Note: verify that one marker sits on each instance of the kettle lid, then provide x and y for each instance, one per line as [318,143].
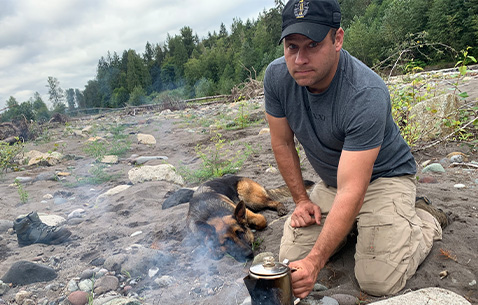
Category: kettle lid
[269,267]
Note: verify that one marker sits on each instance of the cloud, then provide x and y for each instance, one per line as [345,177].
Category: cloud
[65,39]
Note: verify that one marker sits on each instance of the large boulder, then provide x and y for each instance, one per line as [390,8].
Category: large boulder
[428,115]
[164,172]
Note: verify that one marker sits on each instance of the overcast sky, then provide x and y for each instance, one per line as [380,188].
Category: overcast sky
[66,38]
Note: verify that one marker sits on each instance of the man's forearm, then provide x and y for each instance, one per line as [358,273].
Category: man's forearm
[289,167]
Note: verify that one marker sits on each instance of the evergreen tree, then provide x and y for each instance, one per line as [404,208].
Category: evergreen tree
[70,99]
[56,94]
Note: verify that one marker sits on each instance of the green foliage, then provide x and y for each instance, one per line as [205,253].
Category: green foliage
[8,154]
[118,146]
[217,160]
[97,175]
[21,191]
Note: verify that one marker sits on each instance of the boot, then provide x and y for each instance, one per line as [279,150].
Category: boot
[425,204]
[30,230]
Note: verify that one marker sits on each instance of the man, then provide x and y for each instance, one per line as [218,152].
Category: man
[340,112]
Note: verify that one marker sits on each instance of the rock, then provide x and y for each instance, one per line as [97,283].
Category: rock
[116,190]
[105,284]
[146,139]
[265,131]
[144,159]
[78,213]
[427,179]
[345,299]
[428,116]
[23,180]
[318,300]
[457,155]
[78,298]
[48,196]
[110,159]
[86,285]
[5,225]
[3,288]
[433,168]
[319,287]
[165,172]
[72,285]
[24,273]
[430,296]
[35,157]
[272,170]
[124,301]
[164,281]
[115,262]
[178,197]
[459,186]
[22,295]
[87,274]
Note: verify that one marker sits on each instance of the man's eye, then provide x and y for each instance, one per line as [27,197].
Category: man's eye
[292,46]
[313,44]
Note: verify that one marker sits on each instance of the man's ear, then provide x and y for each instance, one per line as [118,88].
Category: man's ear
[240,212]
[339,39]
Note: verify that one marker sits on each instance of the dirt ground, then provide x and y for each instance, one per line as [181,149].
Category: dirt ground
[107,227]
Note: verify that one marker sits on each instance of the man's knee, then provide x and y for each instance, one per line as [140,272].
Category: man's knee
[378,278]
[296,243]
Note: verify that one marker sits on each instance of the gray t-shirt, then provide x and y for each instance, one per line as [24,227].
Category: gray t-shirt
[353,114]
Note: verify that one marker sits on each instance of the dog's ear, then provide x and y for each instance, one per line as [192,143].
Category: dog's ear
[240,212]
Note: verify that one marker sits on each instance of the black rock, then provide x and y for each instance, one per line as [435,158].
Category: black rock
[24,273]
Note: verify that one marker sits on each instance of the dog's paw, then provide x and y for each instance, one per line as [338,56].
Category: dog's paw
[282,210]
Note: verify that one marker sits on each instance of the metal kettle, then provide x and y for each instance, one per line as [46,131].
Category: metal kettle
[269,283]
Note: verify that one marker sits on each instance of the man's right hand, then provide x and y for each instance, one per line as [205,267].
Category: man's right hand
[305,214]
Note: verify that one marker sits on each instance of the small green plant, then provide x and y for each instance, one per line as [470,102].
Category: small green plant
[96,149]
[98,175]
[217,160]
[8,154]
[21,191]
[257,243]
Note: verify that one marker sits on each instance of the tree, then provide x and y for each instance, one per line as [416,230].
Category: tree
[70,99]
[56,93]
[40,110]
[80,99]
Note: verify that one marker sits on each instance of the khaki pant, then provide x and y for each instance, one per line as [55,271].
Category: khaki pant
[393,237]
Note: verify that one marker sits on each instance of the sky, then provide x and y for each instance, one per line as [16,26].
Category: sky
[66,38]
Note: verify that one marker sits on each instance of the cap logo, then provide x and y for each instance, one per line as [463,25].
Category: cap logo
[301,8]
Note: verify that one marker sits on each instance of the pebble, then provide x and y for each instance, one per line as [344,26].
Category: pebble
[320,287]
[23,179]
[345,299]
[136,233]
[434,168]
[105,284]
[457,159]
[3,288]
[153,271]
[164,281]
[78,298]
[78,213]
[427,179]
[21,296]
[459,186]
[86,285]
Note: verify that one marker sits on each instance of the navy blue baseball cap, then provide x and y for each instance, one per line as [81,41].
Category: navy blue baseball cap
[311,18]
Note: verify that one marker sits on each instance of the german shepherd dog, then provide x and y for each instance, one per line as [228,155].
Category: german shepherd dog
[218,214]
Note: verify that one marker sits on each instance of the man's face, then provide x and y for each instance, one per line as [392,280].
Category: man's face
[312,64]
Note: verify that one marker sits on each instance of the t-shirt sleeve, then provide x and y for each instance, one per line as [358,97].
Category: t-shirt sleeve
[366,119]
[273,104]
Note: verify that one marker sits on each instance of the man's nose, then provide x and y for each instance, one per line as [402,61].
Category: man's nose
[301,57]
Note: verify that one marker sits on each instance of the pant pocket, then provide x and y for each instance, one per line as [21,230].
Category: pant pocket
[375,235]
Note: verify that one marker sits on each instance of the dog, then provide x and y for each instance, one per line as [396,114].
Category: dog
[223,211]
